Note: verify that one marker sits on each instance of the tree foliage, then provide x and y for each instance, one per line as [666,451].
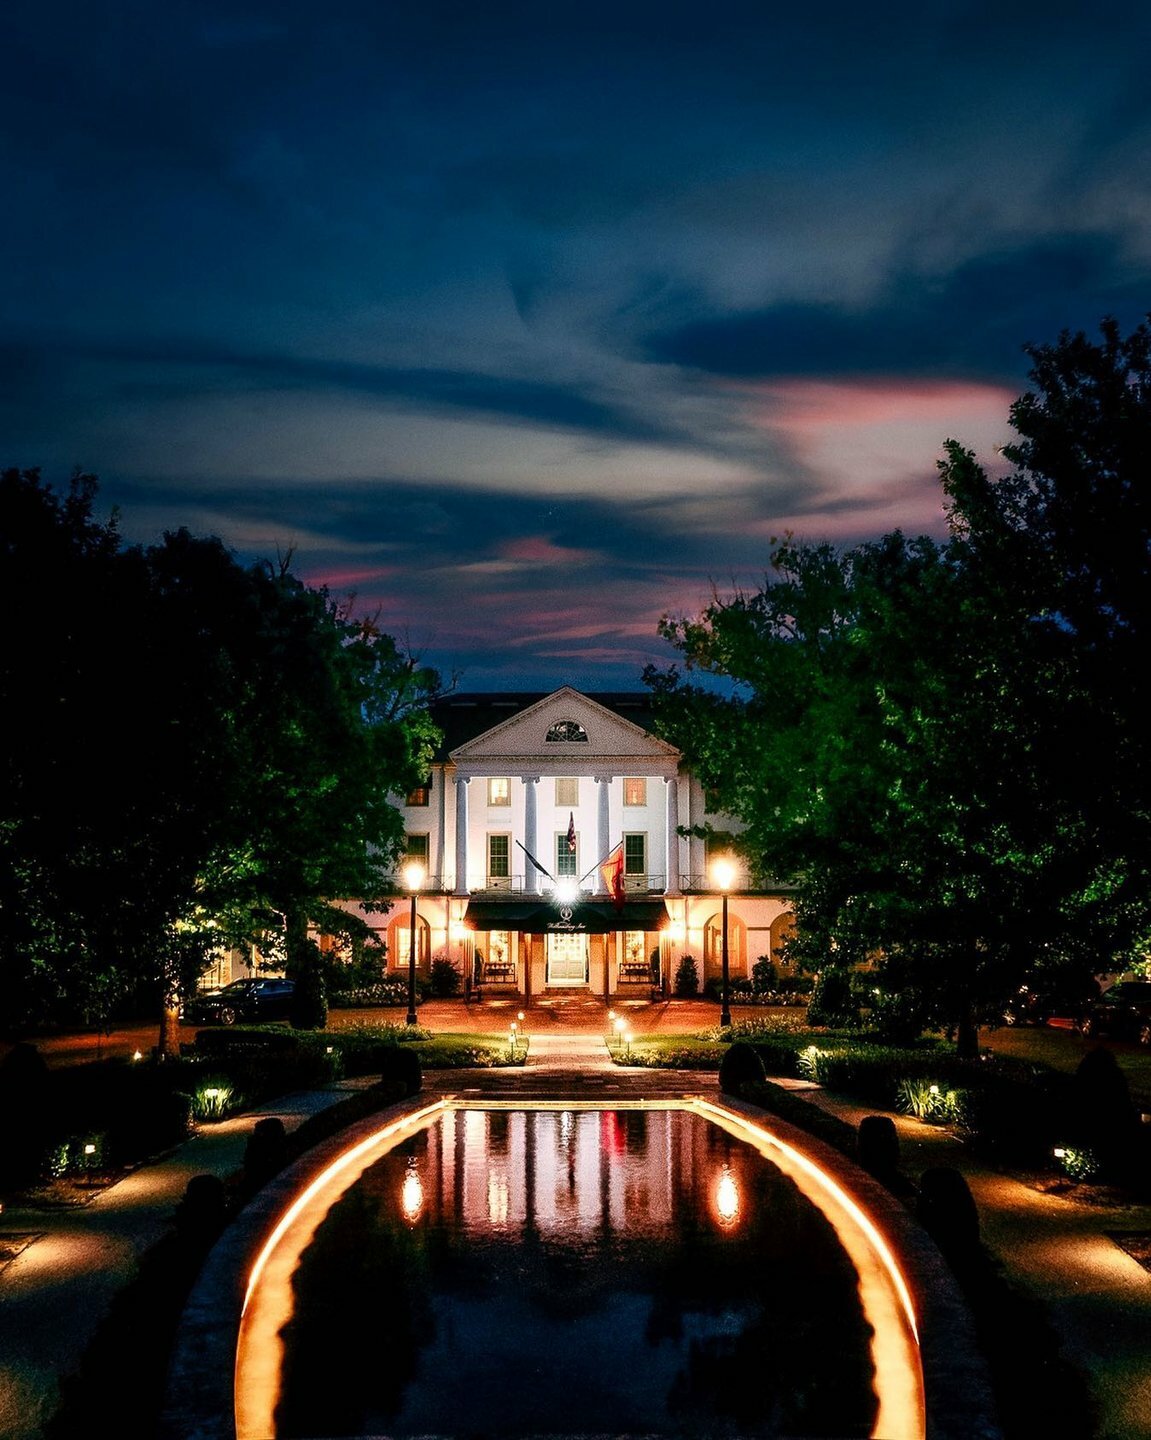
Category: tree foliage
[943,743]
[201,752]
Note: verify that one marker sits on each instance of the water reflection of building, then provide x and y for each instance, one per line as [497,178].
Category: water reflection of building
[548,1172]
[570,779]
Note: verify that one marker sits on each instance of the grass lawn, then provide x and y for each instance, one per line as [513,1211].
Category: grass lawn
[671,1052]
[447,1051]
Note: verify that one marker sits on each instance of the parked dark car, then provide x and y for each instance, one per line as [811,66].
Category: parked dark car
[1123,1011]
[256,999]
[1043,996]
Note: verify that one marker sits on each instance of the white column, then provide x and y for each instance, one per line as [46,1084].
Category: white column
[604,783]
[531,875]
[462,834]
[671,878]
[440,782]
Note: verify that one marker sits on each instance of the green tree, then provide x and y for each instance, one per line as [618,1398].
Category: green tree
[201,753]
[942,744]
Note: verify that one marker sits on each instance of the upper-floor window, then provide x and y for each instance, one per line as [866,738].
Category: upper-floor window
[635,854]
[567,790]
[420,794]
[635,790]
[499,790]
[717,844]
[499,858]
[567,855]
[567,730]
[416,848]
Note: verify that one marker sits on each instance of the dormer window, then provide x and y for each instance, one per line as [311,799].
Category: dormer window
[567,730]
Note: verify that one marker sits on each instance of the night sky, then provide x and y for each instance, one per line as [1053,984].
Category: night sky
[526,323]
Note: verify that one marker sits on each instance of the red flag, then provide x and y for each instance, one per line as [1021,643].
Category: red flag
[612,872]
[571,833]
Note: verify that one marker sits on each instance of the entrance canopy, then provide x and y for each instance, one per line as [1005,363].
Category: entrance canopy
[585,917]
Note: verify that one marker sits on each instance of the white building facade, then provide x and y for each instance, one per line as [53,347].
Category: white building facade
[527,798]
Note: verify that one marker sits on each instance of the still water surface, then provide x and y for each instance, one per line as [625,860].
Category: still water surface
[575,1273]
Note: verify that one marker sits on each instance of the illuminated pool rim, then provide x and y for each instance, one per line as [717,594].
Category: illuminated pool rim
[930,1379]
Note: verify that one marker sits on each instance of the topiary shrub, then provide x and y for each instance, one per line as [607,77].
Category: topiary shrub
[739,1067]
[763,976]
[203,1210]
[266,1152]
[687,978]
[26,1104]
[832,1001]
[445,979]
[946,1210]
[402,1064]
[1102,1116]
[878,1146]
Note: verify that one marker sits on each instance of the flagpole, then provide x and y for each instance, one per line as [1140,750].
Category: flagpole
[598,863]
[536,863]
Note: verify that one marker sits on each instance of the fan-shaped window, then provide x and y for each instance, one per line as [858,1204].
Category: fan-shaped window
[570,730]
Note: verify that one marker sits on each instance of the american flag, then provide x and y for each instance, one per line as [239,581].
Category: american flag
[571,832]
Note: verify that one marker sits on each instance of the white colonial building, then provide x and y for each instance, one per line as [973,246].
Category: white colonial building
[527,797]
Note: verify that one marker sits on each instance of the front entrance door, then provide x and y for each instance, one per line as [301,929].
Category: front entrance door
[567,959]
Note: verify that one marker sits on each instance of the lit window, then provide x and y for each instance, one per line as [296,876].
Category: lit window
[633,945]
[635,791]
[499,790]
[569,730]
[567,790]
[421,795]
[402,942]
[499,857]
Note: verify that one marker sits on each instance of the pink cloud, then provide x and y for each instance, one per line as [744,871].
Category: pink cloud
[799,406]
[340,580]
[539,550]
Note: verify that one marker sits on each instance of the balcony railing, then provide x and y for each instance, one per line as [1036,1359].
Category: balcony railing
[654,883]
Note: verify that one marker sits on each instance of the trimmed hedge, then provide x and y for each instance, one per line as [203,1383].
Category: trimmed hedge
[740,1068]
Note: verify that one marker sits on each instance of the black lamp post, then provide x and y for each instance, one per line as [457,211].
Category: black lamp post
[723,872]
[413,879]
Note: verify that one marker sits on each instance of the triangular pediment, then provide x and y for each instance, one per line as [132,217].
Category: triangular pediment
[566,733]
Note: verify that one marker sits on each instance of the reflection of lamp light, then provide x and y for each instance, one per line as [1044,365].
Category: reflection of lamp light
[566,892]
[413,879]
[723,873]
[727,1197]
[411,1193]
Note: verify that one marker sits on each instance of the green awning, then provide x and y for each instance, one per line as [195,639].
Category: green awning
[587,917]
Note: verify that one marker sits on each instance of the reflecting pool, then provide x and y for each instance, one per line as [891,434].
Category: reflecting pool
[574,1272]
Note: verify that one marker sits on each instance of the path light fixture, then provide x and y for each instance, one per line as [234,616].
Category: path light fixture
[413,879]
[723,873]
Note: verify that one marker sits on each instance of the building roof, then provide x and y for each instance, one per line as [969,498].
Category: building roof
[469,713]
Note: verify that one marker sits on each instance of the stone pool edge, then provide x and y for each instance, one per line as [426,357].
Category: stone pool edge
[199,1400]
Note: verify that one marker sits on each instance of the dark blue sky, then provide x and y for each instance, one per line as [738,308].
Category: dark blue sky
[528,323]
